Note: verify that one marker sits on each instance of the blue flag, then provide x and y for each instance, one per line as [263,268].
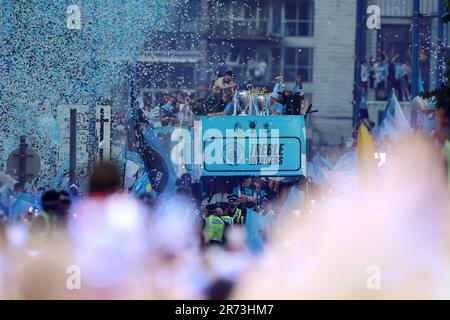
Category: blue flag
[21,203]
[158,167]
[255,225]
[143,186]
[316,168]
[393,121]
[420,83]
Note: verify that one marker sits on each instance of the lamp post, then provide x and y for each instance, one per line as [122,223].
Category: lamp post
[359,56]
[440,44]
[92,143]
[415,58]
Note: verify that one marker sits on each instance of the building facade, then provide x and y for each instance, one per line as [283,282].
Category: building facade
[259,40]
[394,40]
[394,37]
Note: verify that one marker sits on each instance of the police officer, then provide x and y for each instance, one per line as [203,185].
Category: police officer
[213,226]
[225,217]
[234,211]
[42,225]
[62,216]
[229,221]
[50,202]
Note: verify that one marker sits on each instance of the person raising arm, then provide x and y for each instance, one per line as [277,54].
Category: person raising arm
[225,84]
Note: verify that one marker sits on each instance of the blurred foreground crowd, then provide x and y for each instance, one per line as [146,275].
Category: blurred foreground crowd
[388,241]
[179,246]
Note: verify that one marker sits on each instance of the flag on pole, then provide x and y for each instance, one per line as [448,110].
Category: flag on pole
[317,167]
[143,186]
[367,164]
[344,172]
[255,226]
[420,88]
[394,123]
[159,169]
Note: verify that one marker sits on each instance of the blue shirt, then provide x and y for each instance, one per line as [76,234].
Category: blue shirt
[168,106]
[296,88]
[277,88]
[398,71]
[278,107]
[237,191]
[380,72]
[363,103]
[229,108]
[260,194]
[249,191]
[167,109]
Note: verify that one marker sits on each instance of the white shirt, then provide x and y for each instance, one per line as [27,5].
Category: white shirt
[219,197]
[364,73]
[153,116]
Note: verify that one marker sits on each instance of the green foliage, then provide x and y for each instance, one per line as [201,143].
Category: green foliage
[442,94]
[446,18]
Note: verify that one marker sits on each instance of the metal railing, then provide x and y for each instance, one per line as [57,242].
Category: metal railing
[241,27]
[398,8]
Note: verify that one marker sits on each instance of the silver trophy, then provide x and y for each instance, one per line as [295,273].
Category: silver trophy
[248,103]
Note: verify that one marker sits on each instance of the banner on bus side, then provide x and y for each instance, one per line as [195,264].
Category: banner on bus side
[253,145]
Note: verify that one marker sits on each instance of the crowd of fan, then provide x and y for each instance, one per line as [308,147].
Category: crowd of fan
[384,74]
[182,108]
[227,198]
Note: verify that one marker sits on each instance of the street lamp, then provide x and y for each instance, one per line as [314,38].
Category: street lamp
[415,58]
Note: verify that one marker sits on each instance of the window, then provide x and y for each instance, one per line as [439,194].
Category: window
[276,58]
[275,62]
[236,56]
[298,18]
[262,18]
[242,18]
[276,16]
[298,61]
